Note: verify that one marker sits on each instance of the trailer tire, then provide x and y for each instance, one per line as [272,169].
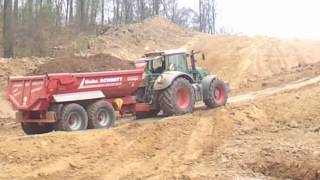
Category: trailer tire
[218,94]
[101,115]
[178,99]
[34,128]
[73,118]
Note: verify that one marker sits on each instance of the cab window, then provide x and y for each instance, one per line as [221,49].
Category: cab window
[156,65]
[177,62]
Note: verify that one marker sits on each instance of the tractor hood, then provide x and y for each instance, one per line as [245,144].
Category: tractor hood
[167,78]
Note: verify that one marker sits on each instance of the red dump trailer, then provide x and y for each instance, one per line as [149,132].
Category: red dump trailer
[78,100]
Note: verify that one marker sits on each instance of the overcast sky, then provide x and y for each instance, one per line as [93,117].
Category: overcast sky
[283,18]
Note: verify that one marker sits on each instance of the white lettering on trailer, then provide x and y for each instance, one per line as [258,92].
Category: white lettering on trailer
[111,80]
[99,83]
[133,78]
[94,81]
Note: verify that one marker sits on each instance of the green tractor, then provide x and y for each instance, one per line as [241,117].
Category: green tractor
[173,84]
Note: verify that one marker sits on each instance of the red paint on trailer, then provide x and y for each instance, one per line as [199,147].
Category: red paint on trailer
[36,93]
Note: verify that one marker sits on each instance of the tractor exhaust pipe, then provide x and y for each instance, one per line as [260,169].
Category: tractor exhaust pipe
[193,65]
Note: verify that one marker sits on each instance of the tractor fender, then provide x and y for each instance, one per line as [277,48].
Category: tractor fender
[206,82]
[166,79]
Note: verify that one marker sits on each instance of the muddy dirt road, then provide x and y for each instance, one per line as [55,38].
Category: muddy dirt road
[272,137]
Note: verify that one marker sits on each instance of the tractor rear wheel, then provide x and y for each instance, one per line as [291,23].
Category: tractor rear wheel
[101,115]
[218,94]
[178,99]
[73,118]
[34,128]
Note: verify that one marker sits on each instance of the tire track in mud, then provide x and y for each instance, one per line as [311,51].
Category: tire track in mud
[274,90]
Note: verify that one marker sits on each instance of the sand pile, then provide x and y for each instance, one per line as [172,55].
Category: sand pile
[129,42]
[242,60]
[99,62]
[12,67]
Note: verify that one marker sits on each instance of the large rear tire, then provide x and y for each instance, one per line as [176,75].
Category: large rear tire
[101,115]
[73,118]
[218,94]
[178,99]
[34,128]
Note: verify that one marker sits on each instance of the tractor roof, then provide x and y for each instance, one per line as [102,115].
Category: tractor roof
[166,52]
[175,51]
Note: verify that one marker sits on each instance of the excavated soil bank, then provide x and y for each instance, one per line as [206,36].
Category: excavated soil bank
[95,63]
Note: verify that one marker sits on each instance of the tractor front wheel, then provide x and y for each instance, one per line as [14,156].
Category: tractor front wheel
[178,99]
[218,94]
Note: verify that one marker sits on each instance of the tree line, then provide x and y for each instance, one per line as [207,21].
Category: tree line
[27,17]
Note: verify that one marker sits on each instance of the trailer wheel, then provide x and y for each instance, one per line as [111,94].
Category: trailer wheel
[34,128]
[178,99]
[73,118]
[101,115]
[217,94]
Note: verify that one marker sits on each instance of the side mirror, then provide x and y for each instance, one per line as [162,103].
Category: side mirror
[203,57]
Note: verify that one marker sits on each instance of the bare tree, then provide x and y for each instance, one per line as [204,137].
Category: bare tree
[70,12]
[207,16]
[102,11]
[156,7]
[7,29]
[81,13]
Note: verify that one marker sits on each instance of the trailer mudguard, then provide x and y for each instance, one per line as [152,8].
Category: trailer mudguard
[167,78]
[206,82]
[79,96]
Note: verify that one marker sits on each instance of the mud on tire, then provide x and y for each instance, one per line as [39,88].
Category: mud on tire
[73,117]
[218,94]
[178,99]
[101,115]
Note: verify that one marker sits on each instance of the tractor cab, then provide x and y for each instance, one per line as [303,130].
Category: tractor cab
[171,60]
[158,62]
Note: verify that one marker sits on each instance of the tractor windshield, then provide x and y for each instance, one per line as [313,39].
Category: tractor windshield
[177,62]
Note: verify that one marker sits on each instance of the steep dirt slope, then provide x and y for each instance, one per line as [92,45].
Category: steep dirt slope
[259,61]
[129,42]
[273,137]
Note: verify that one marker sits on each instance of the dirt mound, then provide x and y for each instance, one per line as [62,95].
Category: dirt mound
[12,67]
[245,60]
[129,42]
[99,62]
